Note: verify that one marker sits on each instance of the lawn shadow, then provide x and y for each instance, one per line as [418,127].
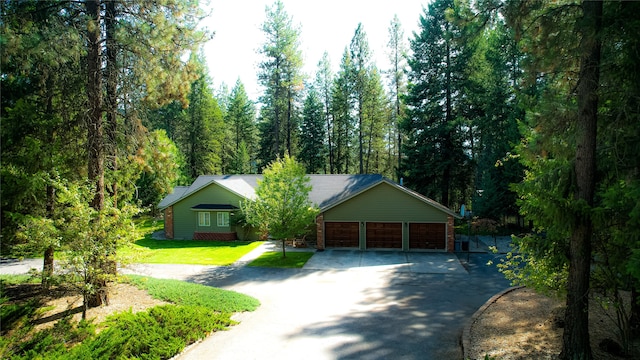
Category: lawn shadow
[58,316]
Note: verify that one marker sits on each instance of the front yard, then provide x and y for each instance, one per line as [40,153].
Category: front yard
[146,318]
[150,251]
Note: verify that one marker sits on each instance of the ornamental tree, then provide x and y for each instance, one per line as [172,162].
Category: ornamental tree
[282,207]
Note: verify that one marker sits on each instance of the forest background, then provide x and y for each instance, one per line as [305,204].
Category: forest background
[516,108]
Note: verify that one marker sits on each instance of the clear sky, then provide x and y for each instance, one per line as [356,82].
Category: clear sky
[326,25]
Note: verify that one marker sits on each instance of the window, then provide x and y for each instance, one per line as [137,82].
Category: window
[204,219]
[223,219]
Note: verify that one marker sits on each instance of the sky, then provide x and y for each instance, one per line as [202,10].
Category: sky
[326,25]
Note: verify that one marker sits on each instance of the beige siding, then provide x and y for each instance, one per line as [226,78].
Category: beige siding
[384,203]
[185,220]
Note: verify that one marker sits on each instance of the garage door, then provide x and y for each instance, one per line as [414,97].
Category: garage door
[427,236]
[341,234]
[384,235]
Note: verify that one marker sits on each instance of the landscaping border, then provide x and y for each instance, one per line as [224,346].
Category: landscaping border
[466,332]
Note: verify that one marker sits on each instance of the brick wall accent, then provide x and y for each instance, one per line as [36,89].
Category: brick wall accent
[451,236]
[231,236]
[320,232]
[168,222]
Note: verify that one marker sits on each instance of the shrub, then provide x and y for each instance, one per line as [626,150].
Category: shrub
[159,333]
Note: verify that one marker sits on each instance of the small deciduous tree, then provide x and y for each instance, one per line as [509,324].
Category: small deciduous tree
[282,205]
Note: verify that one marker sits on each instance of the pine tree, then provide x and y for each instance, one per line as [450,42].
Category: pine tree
[361,58]
[280,75]
[240,118]
[203,134]
[436,164]
[495,75]
[312,135]
[397,56]
[42,134]
[324,84]
[560,150]
[376,114]
[343,122]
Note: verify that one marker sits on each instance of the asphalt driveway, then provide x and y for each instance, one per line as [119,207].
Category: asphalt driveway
[398,261]
[375,311]
[373,305]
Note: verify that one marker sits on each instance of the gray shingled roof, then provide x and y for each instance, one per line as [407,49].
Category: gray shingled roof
[330,189]
[173,197]
[326,190]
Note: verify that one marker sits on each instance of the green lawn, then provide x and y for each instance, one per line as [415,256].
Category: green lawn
[152,251]
[274,259]
[184,293]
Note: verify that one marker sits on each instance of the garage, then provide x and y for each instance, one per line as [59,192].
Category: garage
[342,234]
[384,235]
[427,236]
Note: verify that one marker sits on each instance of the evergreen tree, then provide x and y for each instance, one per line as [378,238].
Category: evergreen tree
[240,119]
[112,60]
[280,75]
[43,133]
[343,121]
[397,56]
[202,139]
[312,135]
[561,151]
[495,75]
[376,114]
[161,161]
[324,84]
[436,164]
[361,58]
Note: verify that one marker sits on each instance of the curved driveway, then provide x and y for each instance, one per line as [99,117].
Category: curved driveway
[384,311]
[365,312]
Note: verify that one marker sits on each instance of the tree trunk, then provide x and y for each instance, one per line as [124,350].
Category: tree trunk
[575,340]
[397,119]
[634,321]
[111,98]
[95,131]
[47,265]
[289,111]
[360,132]
[446,143]
[327,116]
[94,95]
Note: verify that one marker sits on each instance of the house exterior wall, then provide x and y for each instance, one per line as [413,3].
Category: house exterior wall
[384,203]
[320,232]
[213,227]
[168,222]
[451,234]
[185,220]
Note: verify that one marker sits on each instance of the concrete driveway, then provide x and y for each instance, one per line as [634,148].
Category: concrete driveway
[398,261]
[372,305]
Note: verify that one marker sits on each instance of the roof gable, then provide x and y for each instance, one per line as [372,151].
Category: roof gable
[173,197]
[329,189]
